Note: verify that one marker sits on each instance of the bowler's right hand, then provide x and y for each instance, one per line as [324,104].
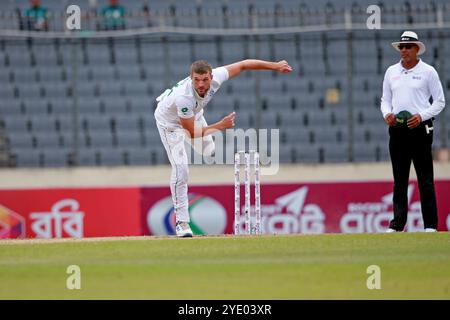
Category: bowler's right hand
[390,119]
[228,121]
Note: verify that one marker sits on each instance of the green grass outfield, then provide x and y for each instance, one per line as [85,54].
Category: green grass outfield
[329,266]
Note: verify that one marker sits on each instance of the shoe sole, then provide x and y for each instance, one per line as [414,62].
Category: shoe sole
[188,235]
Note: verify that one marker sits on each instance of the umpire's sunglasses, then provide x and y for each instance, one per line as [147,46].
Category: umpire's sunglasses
[406,46]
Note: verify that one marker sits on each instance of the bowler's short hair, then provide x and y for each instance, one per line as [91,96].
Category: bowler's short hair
[201,67]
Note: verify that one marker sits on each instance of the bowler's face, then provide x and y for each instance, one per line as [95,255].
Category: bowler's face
[201,82]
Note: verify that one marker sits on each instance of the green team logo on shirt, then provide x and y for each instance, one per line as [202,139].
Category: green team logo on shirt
[184,110]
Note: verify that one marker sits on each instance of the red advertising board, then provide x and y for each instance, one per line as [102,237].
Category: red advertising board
[210,209]
[348,207]
[351,207]
[60,213]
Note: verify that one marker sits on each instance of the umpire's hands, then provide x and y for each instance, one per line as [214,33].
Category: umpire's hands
[390,119]
[414,121]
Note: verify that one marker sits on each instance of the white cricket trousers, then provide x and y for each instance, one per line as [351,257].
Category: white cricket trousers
[174,143]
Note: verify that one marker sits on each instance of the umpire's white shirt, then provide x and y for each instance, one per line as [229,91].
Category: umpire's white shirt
[410,90]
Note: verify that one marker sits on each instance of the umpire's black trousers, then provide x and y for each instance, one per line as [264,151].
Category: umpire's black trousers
[406,145]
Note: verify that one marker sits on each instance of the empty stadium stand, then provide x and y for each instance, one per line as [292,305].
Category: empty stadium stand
[90,102]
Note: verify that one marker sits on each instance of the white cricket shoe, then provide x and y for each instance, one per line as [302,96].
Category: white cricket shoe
[430,230]
[390,230]
[183,229]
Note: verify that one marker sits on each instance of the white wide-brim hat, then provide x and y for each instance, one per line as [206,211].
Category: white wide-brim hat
[410,37]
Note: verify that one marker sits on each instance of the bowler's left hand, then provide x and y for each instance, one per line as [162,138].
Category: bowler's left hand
[414,121]
[283,66]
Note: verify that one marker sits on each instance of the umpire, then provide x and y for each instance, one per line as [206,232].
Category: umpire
[407,88]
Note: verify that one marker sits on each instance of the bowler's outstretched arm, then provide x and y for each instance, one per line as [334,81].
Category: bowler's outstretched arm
[236,68]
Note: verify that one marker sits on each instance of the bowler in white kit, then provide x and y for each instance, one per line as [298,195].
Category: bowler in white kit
[179,118]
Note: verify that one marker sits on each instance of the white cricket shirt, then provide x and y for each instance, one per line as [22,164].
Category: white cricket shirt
[182,101]
[410,90]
